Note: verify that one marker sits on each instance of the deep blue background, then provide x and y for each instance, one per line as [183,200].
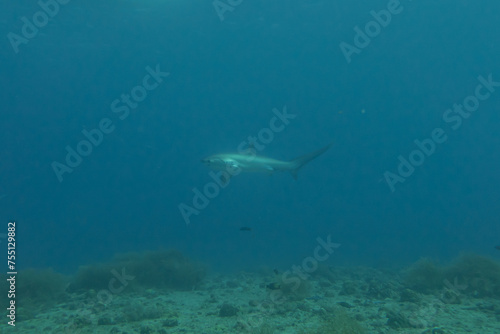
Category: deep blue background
[225,79]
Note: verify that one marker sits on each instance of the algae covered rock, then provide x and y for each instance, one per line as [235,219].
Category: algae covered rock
[228,310]
[150,269]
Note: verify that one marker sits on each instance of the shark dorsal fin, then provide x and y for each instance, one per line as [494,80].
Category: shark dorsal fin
[251,150]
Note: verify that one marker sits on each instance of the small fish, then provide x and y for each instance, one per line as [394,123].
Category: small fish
[345,304]
[497,247]
[315,298]
[246,229]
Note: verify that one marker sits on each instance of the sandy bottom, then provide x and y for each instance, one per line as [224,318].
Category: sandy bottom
[349,300]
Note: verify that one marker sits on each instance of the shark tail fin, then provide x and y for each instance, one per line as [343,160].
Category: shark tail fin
[301,161]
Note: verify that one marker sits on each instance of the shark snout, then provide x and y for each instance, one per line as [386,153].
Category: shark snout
[207,161]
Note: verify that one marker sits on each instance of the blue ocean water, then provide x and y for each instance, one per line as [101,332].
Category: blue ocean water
[371,89]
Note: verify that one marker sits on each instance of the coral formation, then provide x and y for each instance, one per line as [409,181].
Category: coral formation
[424,276]
[339,323]
[150,269]
[40,287]
[469,274]
[474,275]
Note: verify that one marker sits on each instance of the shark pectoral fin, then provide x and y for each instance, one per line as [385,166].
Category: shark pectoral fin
[224,179]
[270,170]
[232,165]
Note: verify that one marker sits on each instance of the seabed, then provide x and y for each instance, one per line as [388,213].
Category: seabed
[331,300]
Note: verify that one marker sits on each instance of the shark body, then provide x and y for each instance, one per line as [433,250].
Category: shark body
[259,164]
